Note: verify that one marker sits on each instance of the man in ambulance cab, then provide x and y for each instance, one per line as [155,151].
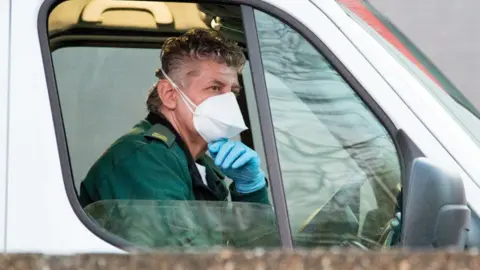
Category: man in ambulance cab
[192,110]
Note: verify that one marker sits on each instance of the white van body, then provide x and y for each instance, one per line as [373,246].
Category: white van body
[35,213]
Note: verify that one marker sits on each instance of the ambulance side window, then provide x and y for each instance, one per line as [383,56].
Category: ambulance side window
[339,165]
[102,97]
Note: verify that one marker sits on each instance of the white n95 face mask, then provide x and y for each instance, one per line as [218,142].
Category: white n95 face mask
[216,117]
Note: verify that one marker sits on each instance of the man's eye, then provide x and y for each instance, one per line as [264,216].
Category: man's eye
[216,88]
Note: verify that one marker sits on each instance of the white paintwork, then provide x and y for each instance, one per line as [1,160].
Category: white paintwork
[40,218]
[4,87]
[464,152]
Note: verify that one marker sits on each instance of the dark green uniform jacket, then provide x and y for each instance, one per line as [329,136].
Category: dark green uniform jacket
[152,163]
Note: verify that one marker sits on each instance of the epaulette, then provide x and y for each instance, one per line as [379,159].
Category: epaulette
[161,133]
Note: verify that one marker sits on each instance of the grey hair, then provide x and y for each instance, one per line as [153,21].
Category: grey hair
[196,44]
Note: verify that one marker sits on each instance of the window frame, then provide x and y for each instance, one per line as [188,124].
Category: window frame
[261,96]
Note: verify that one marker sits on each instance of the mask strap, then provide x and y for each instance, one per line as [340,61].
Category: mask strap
[191,106]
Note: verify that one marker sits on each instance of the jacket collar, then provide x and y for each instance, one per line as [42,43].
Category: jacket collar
[197,182]
[154,119]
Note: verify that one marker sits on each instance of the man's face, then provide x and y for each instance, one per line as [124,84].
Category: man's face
[201,80]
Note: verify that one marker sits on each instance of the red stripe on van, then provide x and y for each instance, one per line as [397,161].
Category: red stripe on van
[366,15]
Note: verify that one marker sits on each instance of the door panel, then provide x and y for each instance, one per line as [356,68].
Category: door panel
[40,218]
[4,88]
[327,26]
[57,227]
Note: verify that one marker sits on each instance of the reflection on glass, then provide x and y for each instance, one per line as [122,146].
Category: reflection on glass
[187,224]
[191,225]
[328,142]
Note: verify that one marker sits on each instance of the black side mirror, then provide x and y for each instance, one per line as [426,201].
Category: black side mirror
[436,214]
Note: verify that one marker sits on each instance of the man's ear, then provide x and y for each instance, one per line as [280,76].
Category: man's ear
[167,94]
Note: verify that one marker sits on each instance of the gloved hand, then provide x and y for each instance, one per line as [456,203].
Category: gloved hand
[396,224]
[239,163]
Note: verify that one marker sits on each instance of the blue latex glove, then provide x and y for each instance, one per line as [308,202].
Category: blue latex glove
[396,223]
[239,163]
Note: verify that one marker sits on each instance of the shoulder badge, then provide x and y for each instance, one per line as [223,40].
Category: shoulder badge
[161,133]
